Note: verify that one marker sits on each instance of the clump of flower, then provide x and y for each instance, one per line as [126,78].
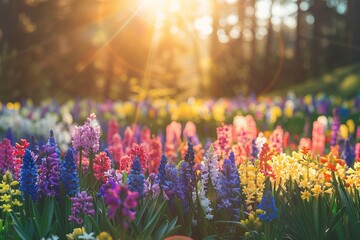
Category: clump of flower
[112,130]
[75,234]
[335,128]
[140,152]
[318,138]
[87,136]
[116,150]
[102,163]
[173,140]
[230,192]
[19,152]
[253,221]
[9,194]
[81,206]
[154,154]
[69,174]
[136,178]
[6,156]
[28,176]
[276,139]
[209,179]
[113,174]
[151,186]
[264,160]
[104,236]
[224,139]
[120,200]
[267,204]
[348,153]
[49,170]
[252,183]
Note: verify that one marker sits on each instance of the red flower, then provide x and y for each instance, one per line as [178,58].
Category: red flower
[102,163]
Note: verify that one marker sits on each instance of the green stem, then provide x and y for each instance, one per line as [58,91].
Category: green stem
[80,164]
[267,231]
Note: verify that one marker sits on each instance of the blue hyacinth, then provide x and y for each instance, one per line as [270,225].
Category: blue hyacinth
[184,188]
[136,178]
[268,205]
[28,176]
[230,190]
[161,171]
[69,174]
[190,156]
[348,153]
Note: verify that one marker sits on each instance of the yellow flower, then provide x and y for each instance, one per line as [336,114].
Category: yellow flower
[316,190]
[5,198]
[4,188]
[16,203]
[14,183]
[351,126]
[75,234]
[305,195]
[344,132]
[6,207]
[104,236]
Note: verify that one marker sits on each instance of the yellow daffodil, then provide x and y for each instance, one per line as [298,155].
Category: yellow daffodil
[6,207]
[5,198]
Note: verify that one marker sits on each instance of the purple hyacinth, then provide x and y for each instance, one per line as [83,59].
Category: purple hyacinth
[335,128]
[151,185]
[120,201]
[87,136]
[171,184]
[49,170]
[230,191]
[81,206]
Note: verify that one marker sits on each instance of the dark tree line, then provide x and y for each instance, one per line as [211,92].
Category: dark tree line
[101,49]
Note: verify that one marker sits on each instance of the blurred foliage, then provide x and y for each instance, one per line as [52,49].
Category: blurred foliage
[111,49]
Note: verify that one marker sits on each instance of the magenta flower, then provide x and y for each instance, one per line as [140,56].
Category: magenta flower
[81,206]
[6,156]
[87,136]
[120,201]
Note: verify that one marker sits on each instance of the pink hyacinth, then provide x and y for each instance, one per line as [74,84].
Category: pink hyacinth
[125,163]
[251,127]
[141,152]
[173,140]
[154,154]
[145,135]
[102,163]
[113,129]
[243,148]
[19,152]
[318,138]
[116,149]
[357,152]
[189,130]
[87,136]
[224,139]
[6,156]
[276,139]
[129,137]
[305,142]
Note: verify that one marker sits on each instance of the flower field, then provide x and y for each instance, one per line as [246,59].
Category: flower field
[240,168]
